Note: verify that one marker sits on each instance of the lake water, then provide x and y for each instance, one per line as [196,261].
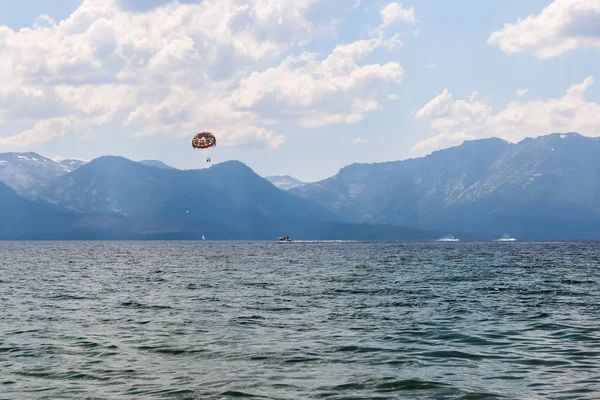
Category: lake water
[203,320]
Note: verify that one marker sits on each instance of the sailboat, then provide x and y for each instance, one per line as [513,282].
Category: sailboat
[203,238]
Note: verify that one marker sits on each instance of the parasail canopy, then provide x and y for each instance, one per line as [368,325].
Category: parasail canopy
[204,140]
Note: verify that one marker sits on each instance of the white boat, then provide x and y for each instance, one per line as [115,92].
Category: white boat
[203,238]
[285,239]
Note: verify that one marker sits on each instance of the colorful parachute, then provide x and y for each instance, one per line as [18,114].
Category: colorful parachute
[204,140]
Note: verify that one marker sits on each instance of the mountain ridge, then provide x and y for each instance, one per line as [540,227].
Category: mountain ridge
[487,185]
[544,187]
[225,201]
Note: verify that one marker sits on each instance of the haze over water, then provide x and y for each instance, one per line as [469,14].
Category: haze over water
[187,320]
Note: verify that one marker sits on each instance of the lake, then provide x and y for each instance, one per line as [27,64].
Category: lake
[299,320]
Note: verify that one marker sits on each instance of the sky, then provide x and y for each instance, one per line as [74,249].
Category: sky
[296,87]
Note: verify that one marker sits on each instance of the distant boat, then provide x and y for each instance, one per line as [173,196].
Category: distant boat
[448,238]
[285,239]
[203,238]
[506,238]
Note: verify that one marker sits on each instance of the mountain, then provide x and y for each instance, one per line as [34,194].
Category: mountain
[118,185]
[285,182]
[227,200]
[116,198]
[22,217]
[155,163]
[542,188]
[27,173]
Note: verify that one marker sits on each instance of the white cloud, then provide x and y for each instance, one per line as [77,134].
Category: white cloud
[431,66]
[441,141]
[332,91]
[250,136]
[173,68]
[393,97]
[395,12]
[458,120]
[359,140]
[447,115]
[521,92]
[562,26]
[43,131]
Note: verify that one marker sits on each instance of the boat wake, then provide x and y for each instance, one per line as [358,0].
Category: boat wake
[325,241]
[448,238]
[506,238]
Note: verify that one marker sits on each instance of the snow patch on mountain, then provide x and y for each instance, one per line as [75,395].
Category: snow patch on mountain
[26,173]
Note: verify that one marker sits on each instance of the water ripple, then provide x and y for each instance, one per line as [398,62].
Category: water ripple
[218,320]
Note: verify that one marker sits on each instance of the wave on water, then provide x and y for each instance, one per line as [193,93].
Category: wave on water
[154,320]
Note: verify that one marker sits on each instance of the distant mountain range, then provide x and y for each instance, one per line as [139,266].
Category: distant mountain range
[113,197]
[542,188]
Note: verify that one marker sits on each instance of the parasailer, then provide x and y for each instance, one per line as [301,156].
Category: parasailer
[204,140]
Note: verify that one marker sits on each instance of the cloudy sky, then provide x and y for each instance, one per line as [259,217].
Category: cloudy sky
[299,87]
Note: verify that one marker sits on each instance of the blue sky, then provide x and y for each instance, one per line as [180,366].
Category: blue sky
[300,87]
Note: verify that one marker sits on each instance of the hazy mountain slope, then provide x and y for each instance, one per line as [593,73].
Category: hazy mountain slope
[225,201]
[22,217]
[285,182]
[395,191]
[27,173]
[537,186]
[230,197]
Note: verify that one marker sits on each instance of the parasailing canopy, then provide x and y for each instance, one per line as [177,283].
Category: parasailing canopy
[204,140]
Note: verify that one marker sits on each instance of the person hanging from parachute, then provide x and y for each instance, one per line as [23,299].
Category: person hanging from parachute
[204,140]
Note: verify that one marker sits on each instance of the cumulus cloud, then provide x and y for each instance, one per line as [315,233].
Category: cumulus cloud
[459,120]
[43,131]
[441,141]
[319,92]
[562,26]
[395,12]
[448,115]
[173,67]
